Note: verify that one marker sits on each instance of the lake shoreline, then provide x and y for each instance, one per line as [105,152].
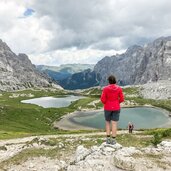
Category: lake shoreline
[67,122]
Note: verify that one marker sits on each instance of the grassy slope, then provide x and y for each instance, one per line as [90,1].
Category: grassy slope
[18,119]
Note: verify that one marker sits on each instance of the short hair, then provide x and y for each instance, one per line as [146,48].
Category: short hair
[112,79]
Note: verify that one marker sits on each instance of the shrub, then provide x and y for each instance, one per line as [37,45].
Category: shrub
[156,139]
[166,133]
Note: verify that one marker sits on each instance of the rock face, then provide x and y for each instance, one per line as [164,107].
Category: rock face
[17,71]
[157,90]
[139,65]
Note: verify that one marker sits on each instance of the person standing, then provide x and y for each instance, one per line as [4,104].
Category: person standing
[130,127]
[111,98]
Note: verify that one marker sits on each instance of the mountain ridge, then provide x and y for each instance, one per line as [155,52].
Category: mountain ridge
[17,71]
[63,71]
[138,65]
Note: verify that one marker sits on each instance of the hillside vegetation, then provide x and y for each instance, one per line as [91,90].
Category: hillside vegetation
[18,119]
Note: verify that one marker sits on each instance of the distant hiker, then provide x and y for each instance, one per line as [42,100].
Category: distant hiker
[170,114]
[130,127]
[111,97]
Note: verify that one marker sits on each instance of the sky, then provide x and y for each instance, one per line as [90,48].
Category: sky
[58,32]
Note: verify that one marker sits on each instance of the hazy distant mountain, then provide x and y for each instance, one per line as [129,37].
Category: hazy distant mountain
[17,71]
[81,80]
[138,65]
[63,71]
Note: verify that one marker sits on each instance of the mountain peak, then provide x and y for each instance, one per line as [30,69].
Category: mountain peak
[17,72]
[139,65]
[4,46]
[133,49]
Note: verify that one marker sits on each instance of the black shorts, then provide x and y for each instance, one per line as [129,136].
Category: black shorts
[112,115]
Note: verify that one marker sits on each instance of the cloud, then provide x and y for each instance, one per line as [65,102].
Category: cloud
[22,34]
[96,25]
[90,23]
[71,56]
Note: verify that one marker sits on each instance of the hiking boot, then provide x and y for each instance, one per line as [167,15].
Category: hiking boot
[108,141]
[112,141]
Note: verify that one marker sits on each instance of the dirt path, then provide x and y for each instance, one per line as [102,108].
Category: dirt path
[26,139]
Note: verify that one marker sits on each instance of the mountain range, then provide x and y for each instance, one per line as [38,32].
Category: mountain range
[138,65]
[17,72]
[63,71]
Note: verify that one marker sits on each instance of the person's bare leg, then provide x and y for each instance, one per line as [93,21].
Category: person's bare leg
[114,128]
[107,128]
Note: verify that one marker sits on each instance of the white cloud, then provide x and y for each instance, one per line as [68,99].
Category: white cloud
[20,33]
[92,28]
[71,56]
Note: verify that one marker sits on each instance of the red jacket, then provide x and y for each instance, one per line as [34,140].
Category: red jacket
[111,97]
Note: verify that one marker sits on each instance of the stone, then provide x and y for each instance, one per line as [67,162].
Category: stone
[81,153]
[156,90]
[17,72]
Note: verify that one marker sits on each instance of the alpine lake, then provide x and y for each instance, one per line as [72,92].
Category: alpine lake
[141,117]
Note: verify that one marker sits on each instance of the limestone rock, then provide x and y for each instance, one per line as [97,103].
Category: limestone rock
[139,65]
[17,71]
[39,164]
[156,90]
[117,158]
[81,153]
[97,158]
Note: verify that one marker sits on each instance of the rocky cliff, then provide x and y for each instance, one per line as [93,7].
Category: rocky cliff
[139,65]
[17,71]
[156,90]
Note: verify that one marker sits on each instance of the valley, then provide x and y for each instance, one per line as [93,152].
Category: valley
[30,134]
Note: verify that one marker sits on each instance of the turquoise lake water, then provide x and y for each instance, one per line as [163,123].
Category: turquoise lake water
[141,117]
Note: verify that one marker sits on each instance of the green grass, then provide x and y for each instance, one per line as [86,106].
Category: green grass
[128,140]
[165,104]
[92,91]
[82,103]
[163,132]
[131,91]
[18,119]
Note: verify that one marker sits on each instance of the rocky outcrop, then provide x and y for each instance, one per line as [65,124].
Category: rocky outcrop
[97,158]
[156,90]
[116,157]
[139,65]
[17,71]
